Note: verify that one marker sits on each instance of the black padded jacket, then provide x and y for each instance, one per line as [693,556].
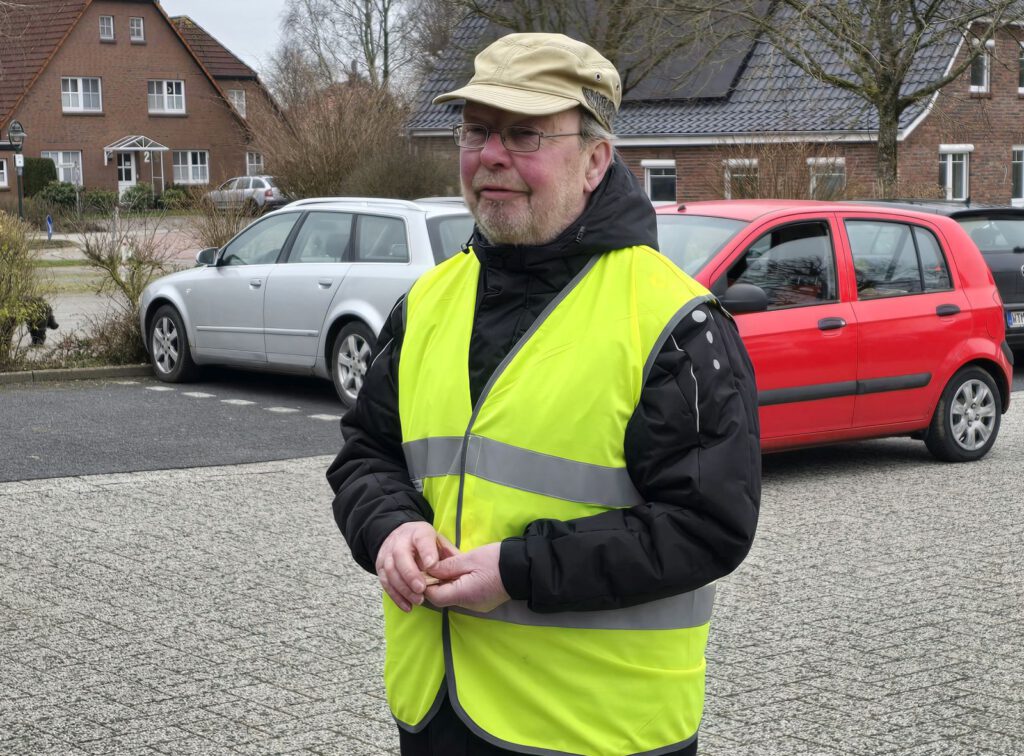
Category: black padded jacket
[691,446]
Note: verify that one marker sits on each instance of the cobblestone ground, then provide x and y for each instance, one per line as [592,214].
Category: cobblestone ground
[215,610]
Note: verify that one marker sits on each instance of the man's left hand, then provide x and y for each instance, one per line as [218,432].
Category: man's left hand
[470,580]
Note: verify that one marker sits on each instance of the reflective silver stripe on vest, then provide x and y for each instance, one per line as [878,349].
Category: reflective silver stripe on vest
[432,458]
[522,469]
[686,610]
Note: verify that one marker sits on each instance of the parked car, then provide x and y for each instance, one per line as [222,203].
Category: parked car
[861,321]
[998,231]
[261,192]
[304,289]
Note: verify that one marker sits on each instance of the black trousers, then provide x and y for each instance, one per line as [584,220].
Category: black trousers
[447,735]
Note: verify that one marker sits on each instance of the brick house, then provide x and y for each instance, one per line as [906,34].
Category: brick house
[755,125]
[117,93]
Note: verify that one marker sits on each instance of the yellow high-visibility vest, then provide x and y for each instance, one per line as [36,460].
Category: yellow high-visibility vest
[545,440]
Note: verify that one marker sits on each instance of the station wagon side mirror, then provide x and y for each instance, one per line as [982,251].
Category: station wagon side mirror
[207,256]
[744,297]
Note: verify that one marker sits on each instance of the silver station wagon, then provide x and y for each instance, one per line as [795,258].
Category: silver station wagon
[302,290]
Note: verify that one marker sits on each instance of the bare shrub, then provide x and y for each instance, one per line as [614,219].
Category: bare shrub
[130,254]
[19,289]
[212,227]
[348,140]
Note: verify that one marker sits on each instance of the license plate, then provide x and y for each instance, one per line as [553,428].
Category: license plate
[1015,319]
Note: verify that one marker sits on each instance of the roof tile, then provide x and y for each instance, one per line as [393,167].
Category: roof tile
[218,60]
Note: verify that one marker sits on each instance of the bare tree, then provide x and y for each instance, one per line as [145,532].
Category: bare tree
[430,38]
[349,38]
[874,49]
[638,36]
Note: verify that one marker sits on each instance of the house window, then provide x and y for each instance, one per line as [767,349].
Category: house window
[1017,166]
[237,98]
[3,173]
[660,179]
[80,95]
[254,164]
[954,170]
[981,68]
[1020,70]
[107,28]
[166,96]
[136,29]
[740,178]
[69,165]
[191,166]
[828,177]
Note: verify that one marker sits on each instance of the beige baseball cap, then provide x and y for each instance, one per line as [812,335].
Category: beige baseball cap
[541,74]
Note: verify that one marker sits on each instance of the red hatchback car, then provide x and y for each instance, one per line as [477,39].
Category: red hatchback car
[861,321]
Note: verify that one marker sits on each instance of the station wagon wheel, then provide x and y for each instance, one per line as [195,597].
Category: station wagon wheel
[350,360]
[966,420]
[168,347]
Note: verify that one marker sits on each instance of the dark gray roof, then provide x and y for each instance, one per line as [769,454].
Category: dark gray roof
[768,93]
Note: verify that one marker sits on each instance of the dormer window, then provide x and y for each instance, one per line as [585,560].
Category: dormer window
[107,28]
[981,68]
[237,98]
[136,29]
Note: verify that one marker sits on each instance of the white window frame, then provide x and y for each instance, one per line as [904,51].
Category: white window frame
[733,163]
[79,83]
[196,166]
[986,61]
[141,24]
[253,167]
[164,97]
[824,162]
[948,153]
[3,174]
[1020,71]
[1017,167]
[648,165]
[107,37]
[237,98]
[63,166]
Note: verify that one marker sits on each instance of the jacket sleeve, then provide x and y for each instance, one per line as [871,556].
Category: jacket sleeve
[373,492]
[693,452]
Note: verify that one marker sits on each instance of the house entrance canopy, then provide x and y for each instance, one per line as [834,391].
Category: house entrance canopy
[145,145]
[135,143]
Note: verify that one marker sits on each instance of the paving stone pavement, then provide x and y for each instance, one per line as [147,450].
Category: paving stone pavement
[216,610]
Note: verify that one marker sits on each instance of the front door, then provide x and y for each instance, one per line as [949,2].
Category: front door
[125,172]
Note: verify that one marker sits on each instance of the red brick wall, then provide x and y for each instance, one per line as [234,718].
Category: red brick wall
[993,123]
[124,69]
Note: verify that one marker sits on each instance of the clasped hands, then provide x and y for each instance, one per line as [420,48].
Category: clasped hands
[416,563]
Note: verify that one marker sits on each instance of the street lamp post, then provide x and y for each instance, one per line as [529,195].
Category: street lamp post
[16,136]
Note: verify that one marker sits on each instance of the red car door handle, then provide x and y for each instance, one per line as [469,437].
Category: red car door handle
[947,309]
[831,324]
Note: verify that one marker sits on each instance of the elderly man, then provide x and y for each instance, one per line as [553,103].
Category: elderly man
[555,453]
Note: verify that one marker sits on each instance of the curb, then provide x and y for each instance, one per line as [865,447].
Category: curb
[74,374]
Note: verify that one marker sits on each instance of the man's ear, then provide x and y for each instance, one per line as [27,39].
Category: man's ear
[597,164]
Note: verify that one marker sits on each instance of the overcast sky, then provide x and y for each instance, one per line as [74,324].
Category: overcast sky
[248,28]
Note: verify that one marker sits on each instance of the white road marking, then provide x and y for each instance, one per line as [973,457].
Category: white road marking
[238,402]
[325,417]
[282,410]
[126,383]
[198,395]
[159,388]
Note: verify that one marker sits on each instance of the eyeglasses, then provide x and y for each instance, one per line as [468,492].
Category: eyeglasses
[474,136]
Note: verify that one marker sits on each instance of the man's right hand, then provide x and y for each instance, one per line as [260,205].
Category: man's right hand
[406,554]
